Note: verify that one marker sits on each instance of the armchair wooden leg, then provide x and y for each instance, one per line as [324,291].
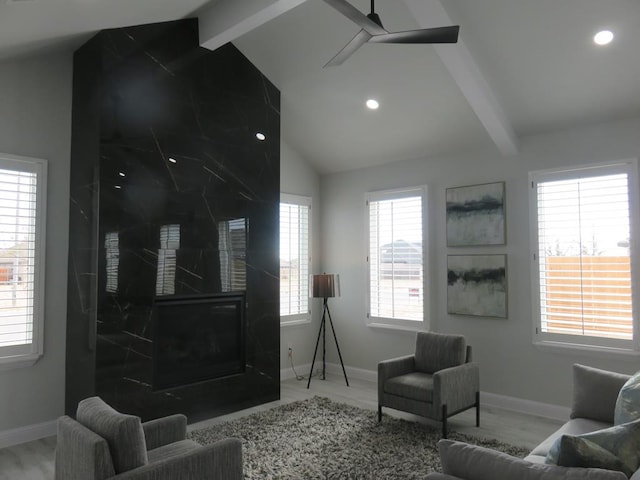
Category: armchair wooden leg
[477,409]
[379,413]
[444,421]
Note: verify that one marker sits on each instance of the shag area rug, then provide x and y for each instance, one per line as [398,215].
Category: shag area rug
[321,439]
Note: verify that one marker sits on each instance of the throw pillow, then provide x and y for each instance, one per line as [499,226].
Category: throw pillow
[123,433]
[622,442]
[575,451]
[628,403]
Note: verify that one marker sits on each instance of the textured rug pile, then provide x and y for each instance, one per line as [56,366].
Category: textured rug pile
[321,439]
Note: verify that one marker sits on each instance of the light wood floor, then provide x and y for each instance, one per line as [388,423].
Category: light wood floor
[34,460]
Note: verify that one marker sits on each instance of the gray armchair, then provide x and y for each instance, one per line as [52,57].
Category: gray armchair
[437,381]
[105,444]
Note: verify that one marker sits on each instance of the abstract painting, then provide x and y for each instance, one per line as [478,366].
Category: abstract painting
[475,215]
[477,285]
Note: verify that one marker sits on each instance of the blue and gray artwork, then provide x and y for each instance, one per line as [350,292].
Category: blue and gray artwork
[477,285]
[475,215]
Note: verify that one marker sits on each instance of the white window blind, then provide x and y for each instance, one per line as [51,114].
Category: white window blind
[396,258]
[295,256]
[22,185]
[584,274]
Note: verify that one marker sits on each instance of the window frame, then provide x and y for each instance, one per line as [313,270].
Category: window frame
[396,323]
[583,342]
[27,355]
[301,201]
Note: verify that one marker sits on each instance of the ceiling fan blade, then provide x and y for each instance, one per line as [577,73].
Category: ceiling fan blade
[349,49]
[427,35]
[357,17]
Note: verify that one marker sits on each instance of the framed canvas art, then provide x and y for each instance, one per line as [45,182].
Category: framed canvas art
[476,215]
[477,285]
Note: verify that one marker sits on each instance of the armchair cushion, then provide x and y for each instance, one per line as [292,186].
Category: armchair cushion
[123,433]
[436,351]
[595,393]
[416,386]
[219,461]
[171,450]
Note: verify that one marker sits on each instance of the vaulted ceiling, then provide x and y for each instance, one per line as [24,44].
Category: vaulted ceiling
[519,68]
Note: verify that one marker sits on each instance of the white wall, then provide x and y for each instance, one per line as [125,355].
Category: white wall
[299,178]
[510,364]
[35,121]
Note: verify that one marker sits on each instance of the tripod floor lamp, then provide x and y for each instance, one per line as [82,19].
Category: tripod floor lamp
[325,286]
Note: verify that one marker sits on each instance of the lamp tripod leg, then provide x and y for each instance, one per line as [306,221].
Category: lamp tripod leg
[322,327]
[324,341]
[326,306]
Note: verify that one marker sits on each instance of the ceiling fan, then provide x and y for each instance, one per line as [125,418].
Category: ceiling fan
[373,31]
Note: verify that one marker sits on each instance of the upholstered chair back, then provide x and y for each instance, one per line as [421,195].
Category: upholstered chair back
[437,351]
[123,433]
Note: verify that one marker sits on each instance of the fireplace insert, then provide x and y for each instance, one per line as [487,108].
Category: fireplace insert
[197,338]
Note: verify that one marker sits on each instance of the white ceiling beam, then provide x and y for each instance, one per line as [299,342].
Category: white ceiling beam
[466,73]
[227,20]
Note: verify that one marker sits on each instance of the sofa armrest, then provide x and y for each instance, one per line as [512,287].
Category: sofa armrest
[456,386]
[471,462]
[595,392]
[166,430]
[221,460]
[393,367]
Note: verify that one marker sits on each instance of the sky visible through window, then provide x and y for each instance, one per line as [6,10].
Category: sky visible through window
[588,216]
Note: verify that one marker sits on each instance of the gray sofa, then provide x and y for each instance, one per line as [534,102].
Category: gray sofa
[595,393]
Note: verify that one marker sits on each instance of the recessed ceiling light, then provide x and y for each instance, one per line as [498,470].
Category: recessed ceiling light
[372,104]
[173,160]
[261,136]
[117,187]
[603,37]
[121,174]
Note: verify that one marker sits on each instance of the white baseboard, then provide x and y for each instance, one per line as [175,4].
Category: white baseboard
[522,405]
[352,372]
[288,374]
[332,368]
[16,436]
[514,404]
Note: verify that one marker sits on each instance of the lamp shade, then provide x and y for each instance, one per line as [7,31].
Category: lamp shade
[325,285]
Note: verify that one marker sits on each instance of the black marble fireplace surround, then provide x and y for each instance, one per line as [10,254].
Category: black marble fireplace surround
[173,258]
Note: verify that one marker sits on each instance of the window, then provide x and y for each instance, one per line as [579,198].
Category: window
[582,240]
[396,259]
[295,257]
[22,215]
